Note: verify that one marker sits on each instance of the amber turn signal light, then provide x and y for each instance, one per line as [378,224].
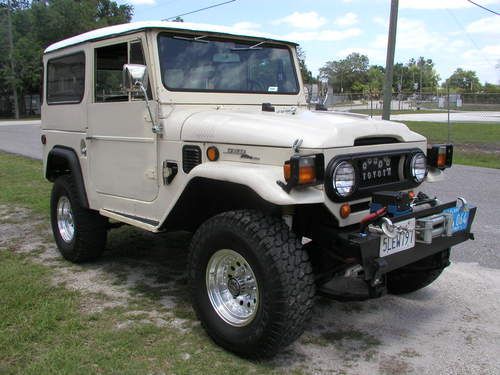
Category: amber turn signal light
[345,210]
[212,153]
[440,156]
[306,171]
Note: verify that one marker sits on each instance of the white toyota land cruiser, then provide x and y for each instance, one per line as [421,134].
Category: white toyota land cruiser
[178,126]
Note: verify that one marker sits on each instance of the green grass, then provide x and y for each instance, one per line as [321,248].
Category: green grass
[42,331]
[476,143]
[45,330]
[461,133]
[22,183]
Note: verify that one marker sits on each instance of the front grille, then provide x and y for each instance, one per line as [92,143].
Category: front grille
[375,171]
[191,157]
[378,170]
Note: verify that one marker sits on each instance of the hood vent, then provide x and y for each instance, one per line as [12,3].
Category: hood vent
[368,141]
[191,157]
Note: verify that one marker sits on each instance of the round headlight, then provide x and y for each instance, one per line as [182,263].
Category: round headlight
[343,179]
[418,167]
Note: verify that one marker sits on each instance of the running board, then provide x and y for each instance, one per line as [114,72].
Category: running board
[147,224]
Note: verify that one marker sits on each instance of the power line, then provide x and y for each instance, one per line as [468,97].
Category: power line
[468,36]
[199,10]
[483,7]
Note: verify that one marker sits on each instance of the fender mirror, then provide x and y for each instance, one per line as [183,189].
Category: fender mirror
[135,77]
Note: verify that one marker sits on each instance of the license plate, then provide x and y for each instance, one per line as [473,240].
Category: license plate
[460,218]
[403,241]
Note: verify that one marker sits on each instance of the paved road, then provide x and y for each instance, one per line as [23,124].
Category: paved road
[480,186]
[476,116]
[21,138]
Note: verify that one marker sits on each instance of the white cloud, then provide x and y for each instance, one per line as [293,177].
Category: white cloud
[415,35]
[323,35]
[440,4]
[246,26]
[142,2]
[381,21]
[347,19]
[490,25]
[376,55]
[483,61]
[306,20]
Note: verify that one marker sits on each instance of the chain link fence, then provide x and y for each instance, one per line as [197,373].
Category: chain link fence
[482,106]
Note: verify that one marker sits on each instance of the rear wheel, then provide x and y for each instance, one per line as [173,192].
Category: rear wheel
[251,282]
[417,275]
[80,233]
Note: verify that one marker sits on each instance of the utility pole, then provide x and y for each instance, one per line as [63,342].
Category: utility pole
[11,58]
[389,63]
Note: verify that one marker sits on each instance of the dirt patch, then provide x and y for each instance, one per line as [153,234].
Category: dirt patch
[450,327]
[478,148]
[122,278]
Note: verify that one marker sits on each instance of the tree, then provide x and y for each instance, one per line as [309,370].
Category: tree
[464,80]
[417,74]
[346,75]
[306,74]
[39,23]
[491,88]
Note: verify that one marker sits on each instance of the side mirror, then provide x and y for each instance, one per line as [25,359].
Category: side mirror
[135,77]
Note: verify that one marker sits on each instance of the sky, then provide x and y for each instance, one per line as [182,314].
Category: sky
[453,33]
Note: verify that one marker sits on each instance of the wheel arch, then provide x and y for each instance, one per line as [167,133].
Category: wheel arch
[204,197]
[63,160]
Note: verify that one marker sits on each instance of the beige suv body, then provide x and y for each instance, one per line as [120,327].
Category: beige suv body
[226,131]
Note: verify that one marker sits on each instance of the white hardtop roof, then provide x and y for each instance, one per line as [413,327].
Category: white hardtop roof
[127,28]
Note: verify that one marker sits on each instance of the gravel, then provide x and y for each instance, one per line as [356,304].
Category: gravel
[451,327]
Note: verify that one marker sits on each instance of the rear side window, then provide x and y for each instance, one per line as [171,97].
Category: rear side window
[66,79]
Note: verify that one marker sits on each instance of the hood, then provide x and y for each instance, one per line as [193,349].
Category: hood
[280,129]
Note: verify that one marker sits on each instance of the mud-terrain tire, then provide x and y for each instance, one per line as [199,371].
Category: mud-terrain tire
[80,233]
[276,270]
[417,275]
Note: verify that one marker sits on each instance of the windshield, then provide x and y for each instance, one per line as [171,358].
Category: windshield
[190,63]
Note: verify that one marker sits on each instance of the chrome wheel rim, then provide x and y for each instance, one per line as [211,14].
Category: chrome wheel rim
[65,221]
[232,287]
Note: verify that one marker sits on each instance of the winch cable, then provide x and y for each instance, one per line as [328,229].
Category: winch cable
[372,217]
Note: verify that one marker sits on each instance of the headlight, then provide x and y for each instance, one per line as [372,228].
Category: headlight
[418,167]
[343,179]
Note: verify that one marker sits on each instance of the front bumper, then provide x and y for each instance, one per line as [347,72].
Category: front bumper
[366,247]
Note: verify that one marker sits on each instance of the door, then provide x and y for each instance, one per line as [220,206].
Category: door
[122,147]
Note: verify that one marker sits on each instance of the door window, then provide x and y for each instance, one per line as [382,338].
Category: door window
[109,63]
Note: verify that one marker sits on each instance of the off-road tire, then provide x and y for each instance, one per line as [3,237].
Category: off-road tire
[283,272]
[417,275]
[90,228]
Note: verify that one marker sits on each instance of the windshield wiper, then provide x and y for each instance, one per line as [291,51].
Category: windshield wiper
[255,46]
[198,39]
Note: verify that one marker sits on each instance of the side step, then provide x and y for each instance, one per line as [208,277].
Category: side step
[144,223]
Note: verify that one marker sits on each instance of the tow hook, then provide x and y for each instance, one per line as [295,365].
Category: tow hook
[387,227]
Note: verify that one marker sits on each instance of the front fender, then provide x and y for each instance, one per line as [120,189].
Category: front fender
[261,179]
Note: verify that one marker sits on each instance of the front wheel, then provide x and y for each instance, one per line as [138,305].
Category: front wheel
[417,275]
[251,282]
